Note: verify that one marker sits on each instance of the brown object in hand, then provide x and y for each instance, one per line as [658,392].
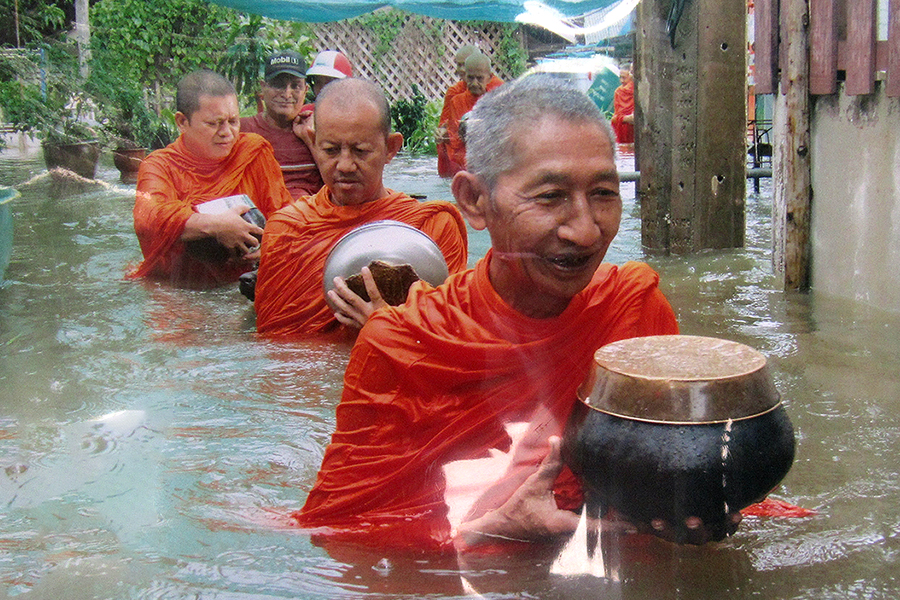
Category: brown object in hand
[393,282]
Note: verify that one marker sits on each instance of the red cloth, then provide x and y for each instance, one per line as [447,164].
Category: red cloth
[449,163]
[289,297]
[623,105]
[289,151]
[442,378]
[772,507]
[172,181]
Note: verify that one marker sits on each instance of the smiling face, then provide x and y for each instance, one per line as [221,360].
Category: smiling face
[213,128]
[351,150]
[552,216]
[283,97]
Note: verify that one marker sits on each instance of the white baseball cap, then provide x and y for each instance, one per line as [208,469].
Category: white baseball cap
[331,63]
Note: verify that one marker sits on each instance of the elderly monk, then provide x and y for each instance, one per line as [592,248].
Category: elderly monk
[283,91]
[479,79]
[459,59]
[352,144]
[623,108]
[448,428]
[210,159]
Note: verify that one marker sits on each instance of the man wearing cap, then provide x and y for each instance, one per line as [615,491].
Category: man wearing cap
[326,67]
[283,91]
[444,166]
[478,77]
[353,142]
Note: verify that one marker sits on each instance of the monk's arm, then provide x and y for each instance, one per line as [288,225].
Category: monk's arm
[227,227]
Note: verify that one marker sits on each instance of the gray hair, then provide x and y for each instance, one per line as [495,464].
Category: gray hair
[514,107]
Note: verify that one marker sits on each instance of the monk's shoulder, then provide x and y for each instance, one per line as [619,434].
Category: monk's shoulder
[628,278]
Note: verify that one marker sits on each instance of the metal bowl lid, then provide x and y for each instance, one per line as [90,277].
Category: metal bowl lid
[392,242]
[679,379]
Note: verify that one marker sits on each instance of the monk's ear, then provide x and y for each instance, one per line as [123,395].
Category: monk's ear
[472,197]
[181,120]
[394,144]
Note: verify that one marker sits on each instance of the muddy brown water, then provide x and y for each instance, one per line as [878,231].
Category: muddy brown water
[148,440]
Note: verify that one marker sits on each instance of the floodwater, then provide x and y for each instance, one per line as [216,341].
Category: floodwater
[149,443]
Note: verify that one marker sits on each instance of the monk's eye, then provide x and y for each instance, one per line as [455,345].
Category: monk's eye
[549,198]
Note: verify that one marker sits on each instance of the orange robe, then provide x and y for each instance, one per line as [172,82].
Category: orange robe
[442,379]
[446,167]
[623,105]
[289,296]
[172,181]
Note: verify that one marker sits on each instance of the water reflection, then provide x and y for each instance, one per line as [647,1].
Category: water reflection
[150,445]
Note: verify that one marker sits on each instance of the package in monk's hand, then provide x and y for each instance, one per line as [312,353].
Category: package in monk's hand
[209,249]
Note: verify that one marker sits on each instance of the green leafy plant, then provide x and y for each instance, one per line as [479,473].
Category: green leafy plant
[416,119]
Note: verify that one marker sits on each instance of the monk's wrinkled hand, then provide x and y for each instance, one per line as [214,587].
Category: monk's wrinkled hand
[441,136]
[234,232]
[304,127]
[530,514]
[353,310]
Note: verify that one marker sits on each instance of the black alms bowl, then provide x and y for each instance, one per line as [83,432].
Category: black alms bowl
[669,427]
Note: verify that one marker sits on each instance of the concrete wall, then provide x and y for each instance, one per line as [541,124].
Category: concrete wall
[855,145]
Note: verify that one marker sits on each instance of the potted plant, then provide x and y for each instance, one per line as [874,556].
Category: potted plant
[47,102]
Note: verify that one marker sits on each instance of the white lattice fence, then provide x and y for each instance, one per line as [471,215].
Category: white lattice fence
[421,51]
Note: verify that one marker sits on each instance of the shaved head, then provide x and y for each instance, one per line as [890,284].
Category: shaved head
[348,93]
[477,60]
[464,52]
[200,83]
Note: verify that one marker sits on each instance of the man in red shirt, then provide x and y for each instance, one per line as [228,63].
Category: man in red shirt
[283,92]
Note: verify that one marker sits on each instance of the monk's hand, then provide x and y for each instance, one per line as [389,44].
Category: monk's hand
[530,514]
[353,311]
[304,127]
[236,234]
[441,136]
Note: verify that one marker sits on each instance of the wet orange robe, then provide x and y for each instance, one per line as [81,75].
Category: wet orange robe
[442,379]
[289,297]
[172,181]
[623,105]
[448,167]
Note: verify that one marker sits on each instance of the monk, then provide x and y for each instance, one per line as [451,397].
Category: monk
[459,59]
[448,426]
[283,90]
[210,159]
[478,78]
[352,144]
[623,108]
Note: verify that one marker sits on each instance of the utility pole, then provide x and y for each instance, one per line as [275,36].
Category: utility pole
[83,36]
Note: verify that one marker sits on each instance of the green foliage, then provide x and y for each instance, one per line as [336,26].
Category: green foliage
[252,38]
[386,26]
[38,21]
[509,51]
[417,120]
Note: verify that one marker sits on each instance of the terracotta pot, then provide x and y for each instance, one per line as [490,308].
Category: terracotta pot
[676,426]
[81,158]
[127,161]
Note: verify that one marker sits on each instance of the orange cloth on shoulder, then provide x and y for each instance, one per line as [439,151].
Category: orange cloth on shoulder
[451,161]
[289,297]
[443,386]
[172,181]
[623,105]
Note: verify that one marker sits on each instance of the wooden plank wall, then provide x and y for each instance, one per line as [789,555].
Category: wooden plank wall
[842,38]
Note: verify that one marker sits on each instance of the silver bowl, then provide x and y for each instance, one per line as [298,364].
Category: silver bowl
[391,242]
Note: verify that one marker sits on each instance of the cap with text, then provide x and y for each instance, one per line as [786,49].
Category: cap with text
[285,62]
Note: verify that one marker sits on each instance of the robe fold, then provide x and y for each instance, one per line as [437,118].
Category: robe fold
[623,105]
[172,181]
[449,162]
[449,400]
[297,240]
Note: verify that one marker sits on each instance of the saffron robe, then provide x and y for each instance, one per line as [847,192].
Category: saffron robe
[289,286]
[446,166]
[173,181]
[290,151]
[623,105]
[437,387]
